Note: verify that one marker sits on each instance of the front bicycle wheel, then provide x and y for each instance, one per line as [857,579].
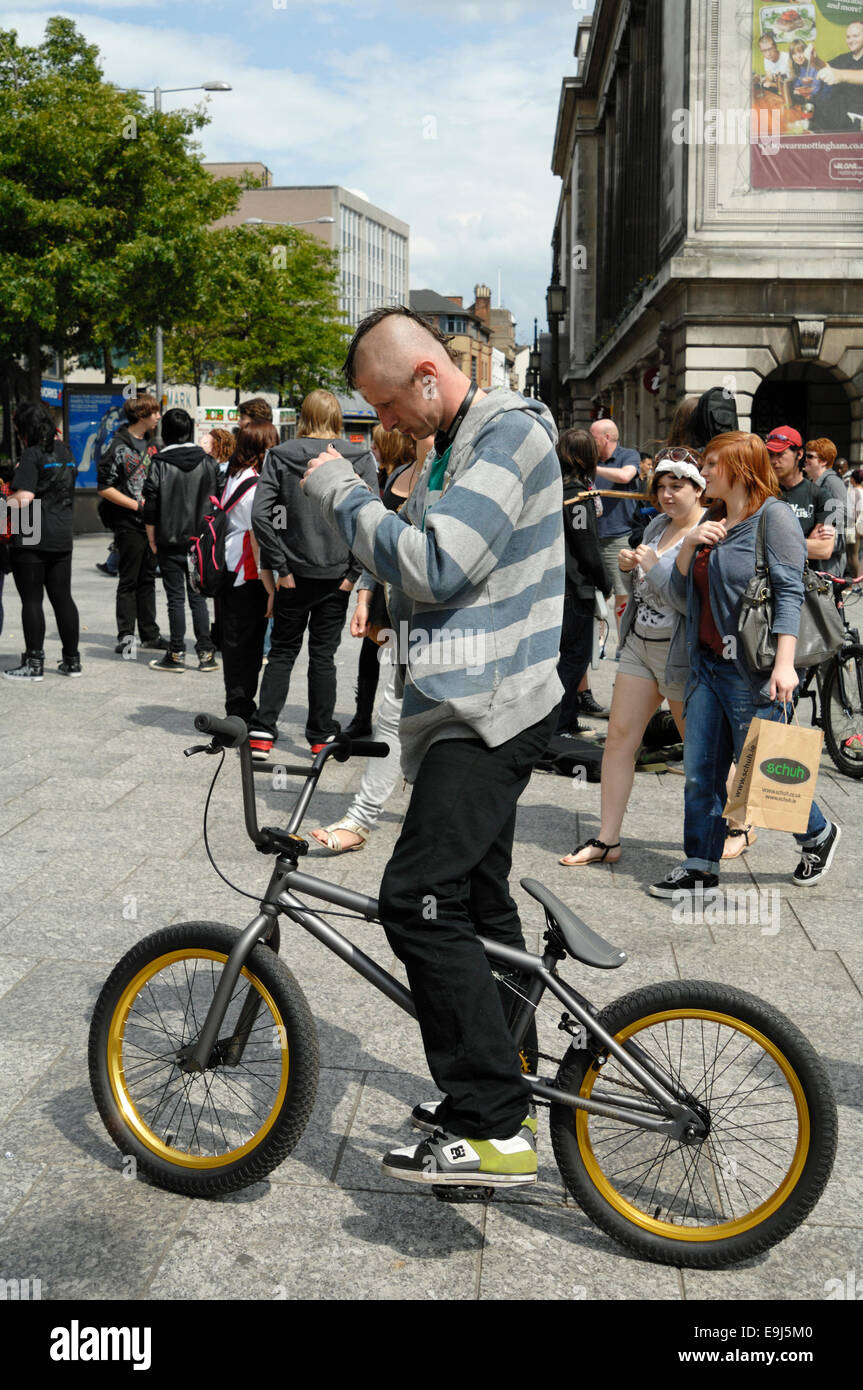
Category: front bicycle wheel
[210,1132]
[842,709]
[771,1139]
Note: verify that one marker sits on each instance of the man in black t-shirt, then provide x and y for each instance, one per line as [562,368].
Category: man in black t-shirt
[803,497]
[120,481]
[839,104]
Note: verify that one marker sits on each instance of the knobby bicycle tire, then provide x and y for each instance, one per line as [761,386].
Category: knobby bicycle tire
[772,1139]
[847,757]
[208,1133]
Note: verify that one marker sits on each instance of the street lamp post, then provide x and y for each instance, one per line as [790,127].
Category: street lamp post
[157,94]
[534,362]
[556,309]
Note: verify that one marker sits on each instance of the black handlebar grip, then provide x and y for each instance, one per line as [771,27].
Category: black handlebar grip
[365,748]
[231,731]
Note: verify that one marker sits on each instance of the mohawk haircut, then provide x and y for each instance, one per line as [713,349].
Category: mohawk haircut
[377,316]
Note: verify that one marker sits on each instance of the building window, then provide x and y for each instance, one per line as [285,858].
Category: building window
[472,367]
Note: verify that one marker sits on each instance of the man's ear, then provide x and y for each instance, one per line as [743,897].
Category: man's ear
[427,373]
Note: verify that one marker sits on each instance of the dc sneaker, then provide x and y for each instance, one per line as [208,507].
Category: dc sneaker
[445,1160]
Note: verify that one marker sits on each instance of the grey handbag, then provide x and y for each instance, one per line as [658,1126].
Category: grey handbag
[822,631]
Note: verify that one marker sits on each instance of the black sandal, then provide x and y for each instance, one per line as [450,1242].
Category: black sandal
[595,844]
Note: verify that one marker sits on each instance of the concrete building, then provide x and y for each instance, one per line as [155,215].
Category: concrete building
[470,337]
[373,245]
[709,224]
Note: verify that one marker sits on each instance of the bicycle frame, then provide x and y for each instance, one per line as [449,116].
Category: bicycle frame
[673,1113]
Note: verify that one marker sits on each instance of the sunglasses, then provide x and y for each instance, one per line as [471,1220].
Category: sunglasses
[677,455]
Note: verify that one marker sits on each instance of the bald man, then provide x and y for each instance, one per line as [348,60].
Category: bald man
[618,468]
[475,566]
[839,103]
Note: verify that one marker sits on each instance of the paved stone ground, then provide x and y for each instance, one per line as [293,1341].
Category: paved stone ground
[100,827]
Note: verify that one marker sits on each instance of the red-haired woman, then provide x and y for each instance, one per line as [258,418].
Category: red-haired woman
[715,563]
[245,607]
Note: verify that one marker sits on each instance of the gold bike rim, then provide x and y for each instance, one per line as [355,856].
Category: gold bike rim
[116,1072]
[726,1229]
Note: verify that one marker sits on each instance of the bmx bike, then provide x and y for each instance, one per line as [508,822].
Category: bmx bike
[691,1121]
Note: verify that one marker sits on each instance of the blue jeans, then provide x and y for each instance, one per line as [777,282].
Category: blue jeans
[718,714]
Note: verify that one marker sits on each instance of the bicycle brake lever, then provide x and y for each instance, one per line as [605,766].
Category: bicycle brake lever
[201,748]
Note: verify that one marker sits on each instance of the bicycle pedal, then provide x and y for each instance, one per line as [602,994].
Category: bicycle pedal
[463,1194]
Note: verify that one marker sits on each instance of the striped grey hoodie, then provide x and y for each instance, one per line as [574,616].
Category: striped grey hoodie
[480,579]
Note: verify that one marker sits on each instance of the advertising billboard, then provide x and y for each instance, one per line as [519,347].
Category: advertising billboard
[807,95]
[93,414]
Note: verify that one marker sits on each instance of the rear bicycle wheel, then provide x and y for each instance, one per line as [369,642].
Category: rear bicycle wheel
[772,1127]
[842,711]
[210,1132]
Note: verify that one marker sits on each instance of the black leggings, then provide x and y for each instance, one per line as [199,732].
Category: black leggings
[40,572]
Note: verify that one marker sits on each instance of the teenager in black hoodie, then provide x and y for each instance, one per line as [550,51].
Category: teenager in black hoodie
[120,478]
[181,480]
[313,569]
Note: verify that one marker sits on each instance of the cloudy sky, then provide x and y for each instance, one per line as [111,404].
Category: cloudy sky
[442,113]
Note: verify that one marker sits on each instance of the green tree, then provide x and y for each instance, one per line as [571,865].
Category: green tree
[104,205]
[291,337]
[265,316]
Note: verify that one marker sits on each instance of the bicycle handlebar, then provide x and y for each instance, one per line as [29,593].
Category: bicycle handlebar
[230,732]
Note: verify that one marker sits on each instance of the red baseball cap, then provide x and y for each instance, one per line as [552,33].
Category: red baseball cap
[782,438]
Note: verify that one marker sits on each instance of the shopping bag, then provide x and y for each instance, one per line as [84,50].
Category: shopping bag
[776,775]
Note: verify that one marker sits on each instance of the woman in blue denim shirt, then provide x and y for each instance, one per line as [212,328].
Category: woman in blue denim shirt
[714,566]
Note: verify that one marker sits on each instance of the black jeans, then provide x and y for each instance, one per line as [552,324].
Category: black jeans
[320,605]
[445,885]
[576,648]
[175,577]
[243,623]
[136,585]
[39,572]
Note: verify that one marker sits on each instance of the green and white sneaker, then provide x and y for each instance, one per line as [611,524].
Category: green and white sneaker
[425,1117]
[445,1160]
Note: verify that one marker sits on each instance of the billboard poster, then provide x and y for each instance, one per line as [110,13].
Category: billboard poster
[807,95]
[93,416]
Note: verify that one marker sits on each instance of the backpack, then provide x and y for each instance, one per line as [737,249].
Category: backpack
[208,572]
[715,413]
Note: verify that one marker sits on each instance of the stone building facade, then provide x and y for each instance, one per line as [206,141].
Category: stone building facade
[687,266]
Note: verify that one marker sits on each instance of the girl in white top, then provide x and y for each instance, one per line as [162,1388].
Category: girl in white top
[653,653]
[245,607]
